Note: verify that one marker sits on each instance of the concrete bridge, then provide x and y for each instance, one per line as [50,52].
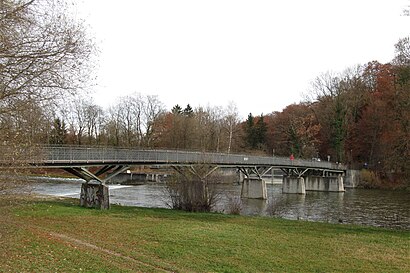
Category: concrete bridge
[299,175]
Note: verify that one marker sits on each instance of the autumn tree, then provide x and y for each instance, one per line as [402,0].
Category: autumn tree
[294,131]
[332,113]
[339,101]
[399,144]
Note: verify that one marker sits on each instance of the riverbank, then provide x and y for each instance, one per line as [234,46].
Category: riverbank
[51,234]
[384,181]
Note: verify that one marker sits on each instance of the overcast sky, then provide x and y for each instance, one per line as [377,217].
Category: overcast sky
[262,55]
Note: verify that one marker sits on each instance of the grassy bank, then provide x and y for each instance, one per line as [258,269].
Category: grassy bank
[44,235]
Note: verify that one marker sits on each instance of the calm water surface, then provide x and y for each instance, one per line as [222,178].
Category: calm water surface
[355,206]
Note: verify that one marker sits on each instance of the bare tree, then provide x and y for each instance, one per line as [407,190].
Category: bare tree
[43,55]
[153,109]
[42,52]
[402,52]
[93,113]
[129,112]
[231,122]
[113,126]
[194,188]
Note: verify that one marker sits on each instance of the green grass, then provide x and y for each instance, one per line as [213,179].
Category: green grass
[59,236]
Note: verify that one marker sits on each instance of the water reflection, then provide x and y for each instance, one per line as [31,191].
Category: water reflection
[357,206]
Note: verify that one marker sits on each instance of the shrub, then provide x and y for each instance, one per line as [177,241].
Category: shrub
[193,189]
[369,179]
[234,205]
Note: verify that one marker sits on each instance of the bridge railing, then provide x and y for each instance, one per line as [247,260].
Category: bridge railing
[104,155]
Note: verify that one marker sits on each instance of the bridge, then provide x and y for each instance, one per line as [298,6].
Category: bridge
[299,175]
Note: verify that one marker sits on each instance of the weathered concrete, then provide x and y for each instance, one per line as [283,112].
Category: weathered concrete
[336,183]
[254,188]
[94,195]
[316,183]
[324,183]
[352,179]
[293,184]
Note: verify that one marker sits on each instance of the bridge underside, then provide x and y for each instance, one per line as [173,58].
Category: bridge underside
[100,175]
[295,180]
[94,192]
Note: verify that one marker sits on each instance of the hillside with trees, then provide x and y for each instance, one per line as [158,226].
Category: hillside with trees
[359,117]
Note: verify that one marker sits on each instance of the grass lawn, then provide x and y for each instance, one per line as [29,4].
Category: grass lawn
[56,235]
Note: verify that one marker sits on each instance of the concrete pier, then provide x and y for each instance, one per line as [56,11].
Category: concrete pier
[336,184]
[293,184]
[324,183]
[94,195]
[254,188]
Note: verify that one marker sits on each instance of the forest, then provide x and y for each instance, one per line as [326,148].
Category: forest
[359,117]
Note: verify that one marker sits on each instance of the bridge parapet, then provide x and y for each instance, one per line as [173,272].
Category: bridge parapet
[72,155]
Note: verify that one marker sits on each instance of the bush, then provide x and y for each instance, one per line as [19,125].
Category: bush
[193,189]
[369,179]
[234,205]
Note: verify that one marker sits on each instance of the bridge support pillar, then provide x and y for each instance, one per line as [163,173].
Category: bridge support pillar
[94,195]
[336,184]
[254,188]
[292,184]
[324,183]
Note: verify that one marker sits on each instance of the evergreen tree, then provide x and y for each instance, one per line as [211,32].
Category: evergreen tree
[255,133]
[58,132]
[176,110]
[261,128]
[188,111]
[250,132]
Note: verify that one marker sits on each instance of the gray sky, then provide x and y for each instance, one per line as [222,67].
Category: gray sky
[262,55]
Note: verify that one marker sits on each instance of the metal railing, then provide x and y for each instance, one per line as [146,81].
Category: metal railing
[60,155]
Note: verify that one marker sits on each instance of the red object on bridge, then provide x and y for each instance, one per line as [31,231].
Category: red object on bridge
[292,157]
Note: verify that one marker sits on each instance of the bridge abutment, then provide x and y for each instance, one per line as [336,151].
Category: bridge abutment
[254,188]
[94,195]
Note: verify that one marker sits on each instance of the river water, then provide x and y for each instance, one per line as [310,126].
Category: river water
[379,208]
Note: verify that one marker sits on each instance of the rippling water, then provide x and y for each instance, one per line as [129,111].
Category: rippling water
[356,206]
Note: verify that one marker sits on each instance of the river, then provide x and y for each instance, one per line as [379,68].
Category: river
[378,208]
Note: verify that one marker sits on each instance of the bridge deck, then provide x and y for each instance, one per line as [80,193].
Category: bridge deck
[86,156]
